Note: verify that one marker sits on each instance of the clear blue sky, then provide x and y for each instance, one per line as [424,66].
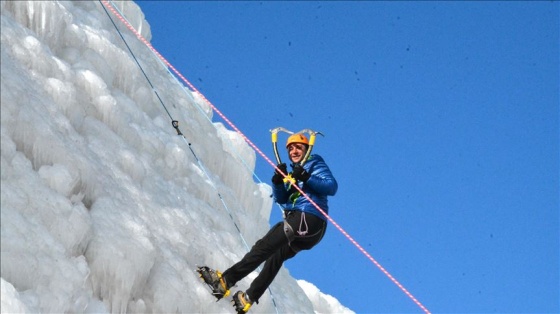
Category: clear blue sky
[440,123]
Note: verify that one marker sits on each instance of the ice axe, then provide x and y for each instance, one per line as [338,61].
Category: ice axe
[274,133]
[312,136]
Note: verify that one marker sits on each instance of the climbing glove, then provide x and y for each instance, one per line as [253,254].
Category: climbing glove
[278,178]
[299,173]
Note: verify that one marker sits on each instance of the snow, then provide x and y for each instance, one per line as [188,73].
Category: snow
[104,208]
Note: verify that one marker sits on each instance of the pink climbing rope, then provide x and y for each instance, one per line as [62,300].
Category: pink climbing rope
[350,238]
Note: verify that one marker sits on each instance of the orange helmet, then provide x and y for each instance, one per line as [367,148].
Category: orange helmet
[297,138]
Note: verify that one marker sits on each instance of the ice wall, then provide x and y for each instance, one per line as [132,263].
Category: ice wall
[104,207]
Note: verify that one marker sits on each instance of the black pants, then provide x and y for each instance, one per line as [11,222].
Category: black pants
[275,248]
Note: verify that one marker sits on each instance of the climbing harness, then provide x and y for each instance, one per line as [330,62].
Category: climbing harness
[303,222]
[289,231]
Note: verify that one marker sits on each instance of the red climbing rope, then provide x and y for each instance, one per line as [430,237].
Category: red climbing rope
[354,242]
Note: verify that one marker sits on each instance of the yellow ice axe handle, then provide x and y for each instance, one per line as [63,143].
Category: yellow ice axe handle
[275,147]
[312,139]
[309,149]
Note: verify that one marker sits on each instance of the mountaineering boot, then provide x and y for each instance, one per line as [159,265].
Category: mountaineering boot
[241,302]
[214,280]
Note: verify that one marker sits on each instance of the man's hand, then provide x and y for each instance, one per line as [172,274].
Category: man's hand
[278,178]
[300,174]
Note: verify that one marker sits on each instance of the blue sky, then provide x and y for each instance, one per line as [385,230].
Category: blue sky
[441,127]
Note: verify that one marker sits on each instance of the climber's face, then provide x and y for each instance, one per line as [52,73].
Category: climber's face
[297,151]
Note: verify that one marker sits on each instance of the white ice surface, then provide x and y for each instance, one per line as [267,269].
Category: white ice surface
[104,208]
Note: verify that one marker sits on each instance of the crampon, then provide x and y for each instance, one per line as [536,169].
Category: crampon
[241,302]
[213,279]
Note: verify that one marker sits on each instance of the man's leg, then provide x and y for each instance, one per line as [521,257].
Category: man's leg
[269,271]
[260,252]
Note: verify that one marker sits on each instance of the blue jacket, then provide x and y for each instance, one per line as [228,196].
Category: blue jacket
[321,184]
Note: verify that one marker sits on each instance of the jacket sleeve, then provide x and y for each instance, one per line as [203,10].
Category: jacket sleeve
[280,193]
[322,180]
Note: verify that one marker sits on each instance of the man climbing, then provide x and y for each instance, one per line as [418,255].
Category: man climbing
[303,226]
